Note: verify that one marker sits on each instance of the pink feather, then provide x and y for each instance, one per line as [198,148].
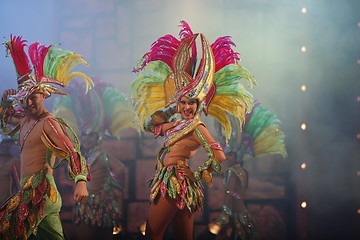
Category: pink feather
[223,52]
[37,54]
[165,48]
[21,60]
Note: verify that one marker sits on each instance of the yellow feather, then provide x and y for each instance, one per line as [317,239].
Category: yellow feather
[68,116]
[270,140]
[89,83]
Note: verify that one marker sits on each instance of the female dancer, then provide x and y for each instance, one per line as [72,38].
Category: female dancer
[168,84]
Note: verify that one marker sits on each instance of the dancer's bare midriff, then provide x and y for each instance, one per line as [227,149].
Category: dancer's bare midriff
[33,153]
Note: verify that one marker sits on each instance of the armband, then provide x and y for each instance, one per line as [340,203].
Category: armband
[216,146]
[157,131]
[80,177]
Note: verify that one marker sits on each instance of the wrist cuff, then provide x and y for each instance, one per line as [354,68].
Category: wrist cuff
[5,103]
[80,177]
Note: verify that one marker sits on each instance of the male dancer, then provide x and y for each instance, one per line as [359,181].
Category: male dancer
[34,210]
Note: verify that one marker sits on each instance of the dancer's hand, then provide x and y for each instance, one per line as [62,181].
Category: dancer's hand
[81,193]
[186,171]
[7,93]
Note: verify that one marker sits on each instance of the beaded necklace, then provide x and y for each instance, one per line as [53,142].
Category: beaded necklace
[30,129]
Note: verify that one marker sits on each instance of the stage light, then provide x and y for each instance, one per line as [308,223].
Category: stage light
[358,211]
[303,126]
[303,165]
[303,204]
[117,230]
[304,10]
[142,228]
[214,227]
[303,88]
[303,49]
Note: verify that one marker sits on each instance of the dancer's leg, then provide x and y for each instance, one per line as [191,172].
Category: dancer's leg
[183,223]
[160,215]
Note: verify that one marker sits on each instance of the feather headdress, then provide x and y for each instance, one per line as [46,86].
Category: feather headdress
[103,109]
[43,67]
[167,72]
[261,134]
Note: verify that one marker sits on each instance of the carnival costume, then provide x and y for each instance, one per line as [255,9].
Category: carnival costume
[261,135]
[105,111]
[23,214]
[166,74]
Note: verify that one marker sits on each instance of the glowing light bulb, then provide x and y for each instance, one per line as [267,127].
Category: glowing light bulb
[304,10]
[303,88]
[303,204]
[303,49]
[303,165]
[303,126]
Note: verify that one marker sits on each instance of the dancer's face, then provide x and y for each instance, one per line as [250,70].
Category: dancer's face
[188,107]
[35,104]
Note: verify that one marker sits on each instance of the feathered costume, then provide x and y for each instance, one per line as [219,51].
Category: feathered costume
[104,110]
[167,73]
[261,136]
[21,215]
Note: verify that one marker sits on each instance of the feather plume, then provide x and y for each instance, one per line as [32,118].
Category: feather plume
[103,109]
[223,52]
[37,54]
[15,47]
[230,98]
[263,126]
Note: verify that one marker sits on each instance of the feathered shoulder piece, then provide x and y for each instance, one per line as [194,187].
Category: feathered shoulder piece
[262,134]
[169,71]
[43,67]
[104,109]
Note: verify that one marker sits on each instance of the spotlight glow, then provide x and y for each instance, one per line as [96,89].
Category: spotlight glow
[214,227]
[358,136]
[358,211]
[358,173]
[303,204]
[117,230]
[142,228]
[303,49]
[303,126]
[304,10]
[303,165]
[303,88]
[358,98]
